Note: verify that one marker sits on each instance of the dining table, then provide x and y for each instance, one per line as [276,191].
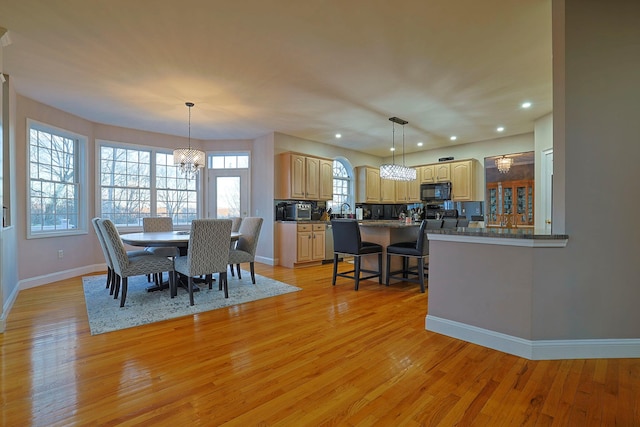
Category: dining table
[176,238]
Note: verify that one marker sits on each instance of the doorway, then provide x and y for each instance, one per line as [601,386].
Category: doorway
[228,186]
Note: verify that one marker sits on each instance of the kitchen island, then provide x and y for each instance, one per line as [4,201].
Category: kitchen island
[384,233]
[486,286]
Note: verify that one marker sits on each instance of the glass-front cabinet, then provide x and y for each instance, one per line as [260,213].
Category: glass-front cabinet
[510,204]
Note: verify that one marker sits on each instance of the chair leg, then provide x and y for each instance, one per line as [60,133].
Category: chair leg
[116,290]
[222,277]
[125,283]
[233,273]
[356,275]
[380,268]
[238,269]
[108,277]
[253,273]
[335,269]
[209,280]
[405,267]
[190,281]
[421,273]
[172,284]
[386,276]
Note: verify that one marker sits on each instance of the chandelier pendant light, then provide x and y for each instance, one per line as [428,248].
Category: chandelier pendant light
[504,164]
[189,160]
[391,170]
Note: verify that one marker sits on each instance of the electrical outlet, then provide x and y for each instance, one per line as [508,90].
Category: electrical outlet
[60,253]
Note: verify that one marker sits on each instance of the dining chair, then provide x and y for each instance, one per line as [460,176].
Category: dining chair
[126,266]
[159,223]
[235,226]
[208,253]
[105,251]
[245,250]
[348,241]
[418,250]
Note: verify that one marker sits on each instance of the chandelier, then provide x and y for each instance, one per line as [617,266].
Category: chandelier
[189,160]
[504,164]
[392,171]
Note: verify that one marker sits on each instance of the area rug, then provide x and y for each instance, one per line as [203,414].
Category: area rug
[142,307]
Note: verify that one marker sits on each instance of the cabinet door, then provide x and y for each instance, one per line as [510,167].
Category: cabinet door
[492,201]
[298,177]
[428,174]
[462,181]
[443,172]
[387,191]
[401,191]
[312,178]
[304,246]
[413,191]
[326,179]
[317,246]
[368,185]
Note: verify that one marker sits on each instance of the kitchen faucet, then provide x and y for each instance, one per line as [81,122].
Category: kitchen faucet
[342,206]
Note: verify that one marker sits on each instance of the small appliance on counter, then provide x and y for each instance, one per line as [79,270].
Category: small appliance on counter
[297,211]
[281,211]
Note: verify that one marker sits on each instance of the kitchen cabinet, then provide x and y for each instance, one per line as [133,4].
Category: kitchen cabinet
[462,182]
[408,191]
[303,177]
[510,204]
[300,244]
[387,191]
[367,184]
[436,172]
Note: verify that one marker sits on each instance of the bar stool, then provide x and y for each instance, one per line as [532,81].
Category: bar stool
[347,241]
[418,249]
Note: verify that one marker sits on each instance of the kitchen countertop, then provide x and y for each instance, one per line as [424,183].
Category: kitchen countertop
[503,233]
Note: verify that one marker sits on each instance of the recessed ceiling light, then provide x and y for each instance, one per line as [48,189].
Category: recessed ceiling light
[392,149]
[453,138]
[338,135]
[420,144]
[500,129]
[526,104]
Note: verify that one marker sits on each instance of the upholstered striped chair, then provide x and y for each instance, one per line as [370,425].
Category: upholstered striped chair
[245,250]
[126,266]
[208,253]
[111,280]
[160,223]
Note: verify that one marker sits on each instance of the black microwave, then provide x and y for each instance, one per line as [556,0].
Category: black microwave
[436,192]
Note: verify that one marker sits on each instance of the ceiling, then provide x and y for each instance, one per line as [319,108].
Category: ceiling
[310,69]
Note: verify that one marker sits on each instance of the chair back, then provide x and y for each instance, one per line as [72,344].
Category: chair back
[434,224]
[422,239]
[103,244]
[209,243]
[157,223]
[449,223]
[235,224]
[117,252]
[250,230]
[346,236]
[462,222]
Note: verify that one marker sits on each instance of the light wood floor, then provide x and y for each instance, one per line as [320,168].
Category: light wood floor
[322,356]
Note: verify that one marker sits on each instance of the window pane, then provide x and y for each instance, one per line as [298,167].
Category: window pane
[228,196]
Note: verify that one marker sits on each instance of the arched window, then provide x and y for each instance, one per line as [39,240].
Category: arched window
[342,188]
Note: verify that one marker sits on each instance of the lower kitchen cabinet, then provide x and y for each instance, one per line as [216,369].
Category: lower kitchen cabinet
[300,244]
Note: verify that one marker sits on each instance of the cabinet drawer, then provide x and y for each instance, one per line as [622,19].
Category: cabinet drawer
[319,227]
[305,227]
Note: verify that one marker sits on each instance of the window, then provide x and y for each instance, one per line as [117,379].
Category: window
[228,185]
[342,186]
[56,202]
[132,186]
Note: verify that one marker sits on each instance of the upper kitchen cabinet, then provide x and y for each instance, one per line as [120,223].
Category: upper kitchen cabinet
[462,180]
[367,184]
[437,172]
[303,177]
[408,191]
[387,191]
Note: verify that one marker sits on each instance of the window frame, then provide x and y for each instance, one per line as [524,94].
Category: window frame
[350,199]
[153,194]
[80,179]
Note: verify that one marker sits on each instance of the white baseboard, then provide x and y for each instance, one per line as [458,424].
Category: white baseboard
[7,308]
[265,260]
[536,350]
[32,282]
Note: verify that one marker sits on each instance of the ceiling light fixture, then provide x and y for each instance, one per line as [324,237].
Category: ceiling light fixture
[526,104]
[453,138]
[500,129]
[504,164]
[189,160]
[392,171]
